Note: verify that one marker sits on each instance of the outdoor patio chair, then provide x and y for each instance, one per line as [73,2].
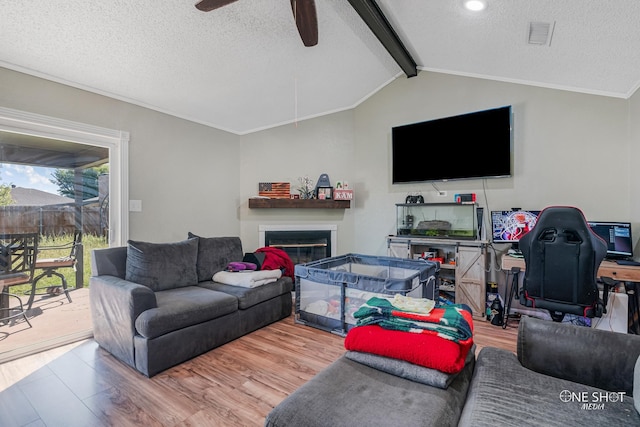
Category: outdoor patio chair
[51,267]
[17,265]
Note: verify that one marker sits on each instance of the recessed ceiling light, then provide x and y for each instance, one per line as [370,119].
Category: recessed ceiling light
[475,5]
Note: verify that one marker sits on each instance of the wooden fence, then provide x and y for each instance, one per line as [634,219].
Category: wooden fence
[52,220]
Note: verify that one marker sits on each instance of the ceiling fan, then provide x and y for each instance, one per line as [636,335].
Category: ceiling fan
[304,13]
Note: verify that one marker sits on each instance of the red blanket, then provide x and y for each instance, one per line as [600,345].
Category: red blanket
[426,350]
[277,259]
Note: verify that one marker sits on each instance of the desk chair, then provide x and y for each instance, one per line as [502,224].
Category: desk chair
[52,265]
[17,265]
[562,256]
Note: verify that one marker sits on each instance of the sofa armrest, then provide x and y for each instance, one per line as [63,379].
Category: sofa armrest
[580,354]
[115,304]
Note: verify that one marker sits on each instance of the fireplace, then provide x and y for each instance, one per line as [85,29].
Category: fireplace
[302,243]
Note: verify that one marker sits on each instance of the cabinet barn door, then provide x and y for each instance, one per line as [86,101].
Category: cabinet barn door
[470,279]
[399,249]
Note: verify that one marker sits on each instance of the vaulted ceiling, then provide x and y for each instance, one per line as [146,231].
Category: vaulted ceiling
[243,67]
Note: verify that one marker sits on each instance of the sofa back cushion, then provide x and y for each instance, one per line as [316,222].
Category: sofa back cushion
[215,253]
[109,262]
[162,266]
[594,357]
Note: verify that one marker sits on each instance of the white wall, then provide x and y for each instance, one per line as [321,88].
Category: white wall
[186,175]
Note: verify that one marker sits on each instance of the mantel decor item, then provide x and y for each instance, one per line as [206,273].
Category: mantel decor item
[305,188]
[324,193]
[323,181]
[274,190]
[343,194]
[342,191]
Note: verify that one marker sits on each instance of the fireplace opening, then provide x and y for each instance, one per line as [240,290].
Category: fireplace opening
[302,246]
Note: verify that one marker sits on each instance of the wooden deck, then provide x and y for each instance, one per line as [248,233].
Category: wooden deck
[55,321]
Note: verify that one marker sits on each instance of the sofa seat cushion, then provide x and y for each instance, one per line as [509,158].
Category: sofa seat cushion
[183,307]
[161,266]
[503,392]
[248,297]
[347,393]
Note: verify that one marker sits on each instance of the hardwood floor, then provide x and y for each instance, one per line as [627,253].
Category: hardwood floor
[234,385]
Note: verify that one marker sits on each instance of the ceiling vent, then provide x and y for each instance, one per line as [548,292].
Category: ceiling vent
[540,33]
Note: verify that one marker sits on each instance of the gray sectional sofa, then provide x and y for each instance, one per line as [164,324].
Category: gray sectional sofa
[563,375]
[154,305]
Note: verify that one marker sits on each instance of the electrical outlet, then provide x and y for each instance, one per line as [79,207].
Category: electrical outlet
[442,193]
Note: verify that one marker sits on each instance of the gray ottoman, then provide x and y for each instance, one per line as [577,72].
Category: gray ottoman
[348,393]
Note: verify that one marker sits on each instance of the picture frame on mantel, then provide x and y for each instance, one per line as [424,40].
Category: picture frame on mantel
[325,193]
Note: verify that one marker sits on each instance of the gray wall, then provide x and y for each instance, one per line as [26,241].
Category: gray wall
[569,149]
[564,147]
[285,153]
[633,174]
[185,174]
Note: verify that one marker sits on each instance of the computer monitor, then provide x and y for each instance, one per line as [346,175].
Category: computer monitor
[509,226]
[617,235]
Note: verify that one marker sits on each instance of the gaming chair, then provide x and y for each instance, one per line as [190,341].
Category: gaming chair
[562,256]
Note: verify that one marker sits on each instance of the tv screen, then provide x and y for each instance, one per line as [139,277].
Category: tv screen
[473,145]
[509,226]
[617,235]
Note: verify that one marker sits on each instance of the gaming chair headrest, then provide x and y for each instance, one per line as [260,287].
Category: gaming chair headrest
[565,221]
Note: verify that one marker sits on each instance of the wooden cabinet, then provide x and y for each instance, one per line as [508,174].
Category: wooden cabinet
[463,269]
[470,278]
[400,248]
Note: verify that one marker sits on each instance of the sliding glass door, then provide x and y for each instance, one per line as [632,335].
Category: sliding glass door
[63,181]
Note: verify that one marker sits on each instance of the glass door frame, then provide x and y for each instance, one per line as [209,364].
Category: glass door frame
[115,140]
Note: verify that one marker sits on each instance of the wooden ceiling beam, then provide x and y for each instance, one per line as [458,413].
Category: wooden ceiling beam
[380,26]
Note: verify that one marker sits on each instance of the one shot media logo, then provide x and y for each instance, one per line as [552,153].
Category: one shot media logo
[594,400]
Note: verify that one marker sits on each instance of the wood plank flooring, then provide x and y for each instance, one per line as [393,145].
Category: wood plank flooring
[234,385]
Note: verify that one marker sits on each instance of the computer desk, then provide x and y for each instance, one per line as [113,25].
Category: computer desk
[622,273]
[617,309]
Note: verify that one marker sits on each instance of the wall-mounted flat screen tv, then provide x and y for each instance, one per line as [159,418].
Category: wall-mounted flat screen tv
[468,146]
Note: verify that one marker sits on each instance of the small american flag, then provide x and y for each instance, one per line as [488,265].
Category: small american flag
[274,190]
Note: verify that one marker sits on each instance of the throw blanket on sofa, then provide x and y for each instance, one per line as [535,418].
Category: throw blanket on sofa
[452,322]
[277,259]
[407,370]
[248,279]
[430,351]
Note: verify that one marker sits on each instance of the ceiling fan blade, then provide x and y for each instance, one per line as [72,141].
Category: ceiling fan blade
[209,5]
[304,12]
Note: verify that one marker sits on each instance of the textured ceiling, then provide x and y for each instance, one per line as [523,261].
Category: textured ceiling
[243,67]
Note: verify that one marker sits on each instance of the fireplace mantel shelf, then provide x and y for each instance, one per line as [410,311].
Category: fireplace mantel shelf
[260,203]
